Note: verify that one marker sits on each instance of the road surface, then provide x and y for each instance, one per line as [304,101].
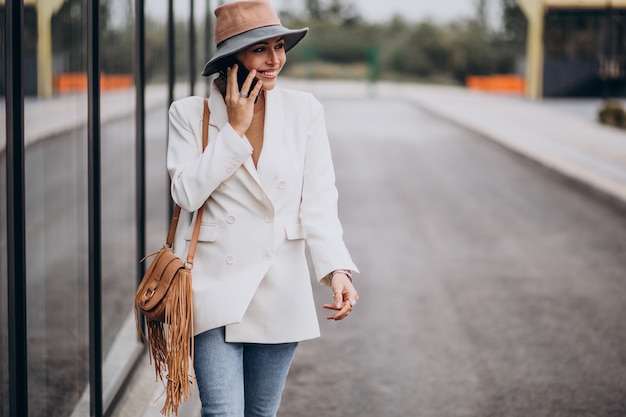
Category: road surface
[489,286]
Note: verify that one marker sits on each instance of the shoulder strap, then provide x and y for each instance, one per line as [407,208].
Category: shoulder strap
[176,214]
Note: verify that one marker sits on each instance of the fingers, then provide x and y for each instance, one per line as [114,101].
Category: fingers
[245,92]
[245,88]
[342,312]
[338,297]
[240,104]
[257,87]
[343,290]
[344,301]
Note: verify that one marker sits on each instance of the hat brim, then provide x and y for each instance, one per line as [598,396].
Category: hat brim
[235,44]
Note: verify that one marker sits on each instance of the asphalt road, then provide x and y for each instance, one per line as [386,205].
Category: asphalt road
[489,286]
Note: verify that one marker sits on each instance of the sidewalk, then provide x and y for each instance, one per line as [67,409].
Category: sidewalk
[562,135]
[45,118]
[559,134]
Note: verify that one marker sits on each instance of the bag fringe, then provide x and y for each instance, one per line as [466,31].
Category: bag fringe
[170,344]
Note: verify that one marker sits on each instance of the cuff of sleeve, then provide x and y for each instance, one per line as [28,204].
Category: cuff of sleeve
[230,131]
[328,279]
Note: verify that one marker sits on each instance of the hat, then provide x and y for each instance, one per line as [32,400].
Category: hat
[244,23]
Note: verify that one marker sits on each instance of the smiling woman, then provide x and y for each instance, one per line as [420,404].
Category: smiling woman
[267,187]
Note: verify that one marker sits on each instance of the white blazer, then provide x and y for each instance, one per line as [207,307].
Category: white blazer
[250,271]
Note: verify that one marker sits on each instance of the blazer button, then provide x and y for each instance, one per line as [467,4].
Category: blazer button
[231,219]
[223,186]
[230,259]
[268,219]
[282,184]
[267,253]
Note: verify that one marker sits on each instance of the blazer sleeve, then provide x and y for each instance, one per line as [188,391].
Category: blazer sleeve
[318,212]
[196,174]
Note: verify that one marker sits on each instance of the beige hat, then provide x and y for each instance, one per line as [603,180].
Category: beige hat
[244,23]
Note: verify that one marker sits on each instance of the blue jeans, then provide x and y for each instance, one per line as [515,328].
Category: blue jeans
[240,379]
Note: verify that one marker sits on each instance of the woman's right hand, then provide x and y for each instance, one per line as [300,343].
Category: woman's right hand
[240,104]
[344,297]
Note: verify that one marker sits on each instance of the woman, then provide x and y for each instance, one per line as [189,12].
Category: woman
[267,183]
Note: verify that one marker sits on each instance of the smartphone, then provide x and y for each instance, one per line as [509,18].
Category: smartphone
[242,73]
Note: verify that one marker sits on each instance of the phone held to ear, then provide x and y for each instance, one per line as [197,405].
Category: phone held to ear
[242,74]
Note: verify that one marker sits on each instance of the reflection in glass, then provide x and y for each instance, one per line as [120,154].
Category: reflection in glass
[119,256]
[203,39]
[56,202]
[119,222]
[157,182]
[56,188]
[181,50]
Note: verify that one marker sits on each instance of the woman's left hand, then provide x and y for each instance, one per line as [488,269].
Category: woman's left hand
[344,296]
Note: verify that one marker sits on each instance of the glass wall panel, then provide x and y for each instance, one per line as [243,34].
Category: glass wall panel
[56,188]
[201,14]
[56,206]
[119,253]
[181,50]
[157,180]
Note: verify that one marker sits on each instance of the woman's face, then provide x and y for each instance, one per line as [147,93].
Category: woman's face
[267,58]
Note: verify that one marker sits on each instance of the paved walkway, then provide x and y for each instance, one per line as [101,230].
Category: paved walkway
[559,134]
[47,118]
[551,132]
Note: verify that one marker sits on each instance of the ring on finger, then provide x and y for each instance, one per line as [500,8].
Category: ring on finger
[244,95]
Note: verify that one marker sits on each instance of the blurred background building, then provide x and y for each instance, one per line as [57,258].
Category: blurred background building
[575,48]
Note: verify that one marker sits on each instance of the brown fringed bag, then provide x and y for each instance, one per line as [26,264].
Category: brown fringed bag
[165,299]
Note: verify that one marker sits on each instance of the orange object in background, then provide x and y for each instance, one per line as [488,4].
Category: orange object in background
[496,83]
[111,82]
[77,81]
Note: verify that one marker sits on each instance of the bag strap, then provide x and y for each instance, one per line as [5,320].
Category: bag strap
[176,214]
[196,227]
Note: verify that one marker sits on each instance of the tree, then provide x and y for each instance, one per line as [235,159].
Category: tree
[424,52]
[514,24]
[481,13]
[314,9]
[337,12]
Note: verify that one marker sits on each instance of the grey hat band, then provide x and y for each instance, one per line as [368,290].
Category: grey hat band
[235,44]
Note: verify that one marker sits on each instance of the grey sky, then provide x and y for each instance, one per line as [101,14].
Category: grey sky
[372,10]
[382,10]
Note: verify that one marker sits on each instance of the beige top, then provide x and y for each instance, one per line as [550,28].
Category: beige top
[255,131]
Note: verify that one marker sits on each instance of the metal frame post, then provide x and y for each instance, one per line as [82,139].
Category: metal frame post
[16,224]
[94,209]
[140,133]
[171,54]
[192,48]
